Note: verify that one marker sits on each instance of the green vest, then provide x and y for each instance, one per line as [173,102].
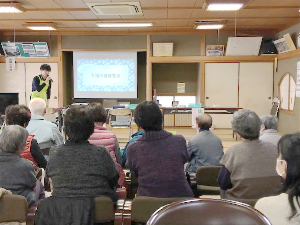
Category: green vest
[40,94]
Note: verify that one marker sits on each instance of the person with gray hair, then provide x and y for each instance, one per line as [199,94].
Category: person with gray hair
[45,132]
[205,148]
[17,174]
[248,168]
[268,130]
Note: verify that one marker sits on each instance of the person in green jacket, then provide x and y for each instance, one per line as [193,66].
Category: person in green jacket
[41,84]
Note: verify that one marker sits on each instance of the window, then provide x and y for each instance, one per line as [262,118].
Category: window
[287,93]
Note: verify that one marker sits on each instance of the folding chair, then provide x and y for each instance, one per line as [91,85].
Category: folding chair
[120,124]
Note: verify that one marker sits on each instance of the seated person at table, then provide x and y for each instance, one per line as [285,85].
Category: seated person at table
[102,136]
[20,115]
[248,170]
[268,131]
[17,174]
[205,148]
[45,132]
[133,139]
[284,208]
[78,168]
[158,157]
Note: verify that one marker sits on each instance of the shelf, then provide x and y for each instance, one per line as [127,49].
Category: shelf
[193,59]
[33,60]
[289,55]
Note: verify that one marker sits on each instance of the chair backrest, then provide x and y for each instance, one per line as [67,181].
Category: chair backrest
[104,210]
[143,207]
[120,112]
[208,175]
[207,212]
[109,103]
[13,208]
[250,202]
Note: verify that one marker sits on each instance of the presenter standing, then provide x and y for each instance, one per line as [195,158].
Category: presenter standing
[41,84]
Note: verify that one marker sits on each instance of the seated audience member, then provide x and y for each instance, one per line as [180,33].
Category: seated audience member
[158,157]
[102,136]
[248,170]
[269,129]
[133,139]
[78,168]
[20,115]
[45,132]
[284,208]
[17,174]
[205,148]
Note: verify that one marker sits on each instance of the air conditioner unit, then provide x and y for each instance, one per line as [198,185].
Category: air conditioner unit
[115,8]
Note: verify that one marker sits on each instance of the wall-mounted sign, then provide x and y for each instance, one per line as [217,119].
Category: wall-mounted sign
[26,50]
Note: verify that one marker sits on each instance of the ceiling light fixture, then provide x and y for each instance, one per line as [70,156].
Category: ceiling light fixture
[209,25]
[222,5]
[11,8]
[40,26]
[124,25]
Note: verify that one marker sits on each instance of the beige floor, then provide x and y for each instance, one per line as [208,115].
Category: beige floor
[225,135]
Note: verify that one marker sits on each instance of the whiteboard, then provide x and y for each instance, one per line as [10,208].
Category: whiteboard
[243,46]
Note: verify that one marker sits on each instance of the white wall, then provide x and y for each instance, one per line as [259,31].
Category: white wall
[20,81]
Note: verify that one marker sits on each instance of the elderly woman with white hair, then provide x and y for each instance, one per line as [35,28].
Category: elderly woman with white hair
[268,130]
[17,174]
[248,170]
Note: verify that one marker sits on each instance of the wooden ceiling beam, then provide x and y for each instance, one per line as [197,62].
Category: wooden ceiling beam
[150,19]
[159,8]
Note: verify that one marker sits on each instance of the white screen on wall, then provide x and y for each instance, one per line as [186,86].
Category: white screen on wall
[105,74]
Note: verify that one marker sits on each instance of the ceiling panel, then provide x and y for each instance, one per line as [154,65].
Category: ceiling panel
[265,2]
[154,3]
[26,4]
[241,22]
[254,13]
[71,3]
[83,14]
[157,23]
[180,13]
[200,13]
[44,3]
[151,14]
[179,3]
[59,15]
[37,15]
[89,23]
[175,29]
[70,24]
[108,17]
[273,22]
[175,23]
[132,17]
[289,2]
[283,13]
[199,3]
[15,16]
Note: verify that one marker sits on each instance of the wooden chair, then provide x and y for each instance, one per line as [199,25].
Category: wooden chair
[207,212]
[13,208]
[143,207]
[206,177]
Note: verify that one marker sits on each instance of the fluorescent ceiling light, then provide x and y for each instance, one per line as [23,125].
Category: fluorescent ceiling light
[11,8]
[118,25]
[209,26]
[40,26]
[224,7]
